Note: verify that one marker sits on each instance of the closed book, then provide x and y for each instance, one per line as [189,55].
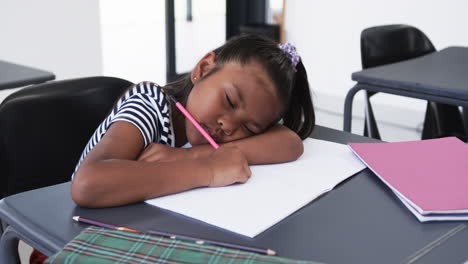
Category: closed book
[430,175]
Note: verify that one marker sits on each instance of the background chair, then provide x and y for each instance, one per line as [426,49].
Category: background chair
[44,128]
[386,44]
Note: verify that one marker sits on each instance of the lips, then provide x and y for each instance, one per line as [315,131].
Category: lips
[210,131]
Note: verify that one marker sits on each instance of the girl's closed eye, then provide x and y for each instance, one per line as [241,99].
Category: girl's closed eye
[246,128]
[231,104]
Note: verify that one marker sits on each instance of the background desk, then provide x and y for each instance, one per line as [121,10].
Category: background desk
[440,77]
[14,75]
[360,221]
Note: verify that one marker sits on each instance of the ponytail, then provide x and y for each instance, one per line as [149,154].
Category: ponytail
[300,115]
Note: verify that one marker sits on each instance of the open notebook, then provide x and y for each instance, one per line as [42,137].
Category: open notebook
[271,194]
[429,176]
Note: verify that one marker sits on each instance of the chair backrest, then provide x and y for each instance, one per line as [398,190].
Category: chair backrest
[44,128]
[392,43]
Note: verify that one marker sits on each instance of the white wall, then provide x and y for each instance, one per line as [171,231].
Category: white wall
[204,33]
[134,39]
[327,35]
[64,37]
[134,36]
[59,36]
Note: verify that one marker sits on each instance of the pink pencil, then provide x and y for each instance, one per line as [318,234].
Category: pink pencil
[194,122]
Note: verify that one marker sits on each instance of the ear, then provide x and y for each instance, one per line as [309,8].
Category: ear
[203,67]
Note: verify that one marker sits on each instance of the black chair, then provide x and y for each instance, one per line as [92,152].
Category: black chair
[386,44]
[44,128]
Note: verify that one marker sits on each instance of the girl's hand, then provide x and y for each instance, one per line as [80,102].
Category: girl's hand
[228,166]
[158,152]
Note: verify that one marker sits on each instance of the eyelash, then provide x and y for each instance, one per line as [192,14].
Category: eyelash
[248,130]
[229,101]
[233,106]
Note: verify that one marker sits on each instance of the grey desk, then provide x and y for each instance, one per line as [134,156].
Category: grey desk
[440,77]
[360,221]
[14,75]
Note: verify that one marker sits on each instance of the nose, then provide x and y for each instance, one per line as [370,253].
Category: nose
[227,125]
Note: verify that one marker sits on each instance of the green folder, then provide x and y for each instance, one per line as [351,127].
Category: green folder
[101,245]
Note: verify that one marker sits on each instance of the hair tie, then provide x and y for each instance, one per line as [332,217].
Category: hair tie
[291,52]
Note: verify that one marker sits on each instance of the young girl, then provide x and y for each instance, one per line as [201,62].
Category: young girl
[238,93]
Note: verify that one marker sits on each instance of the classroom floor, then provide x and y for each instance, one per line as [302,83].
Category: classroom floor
[395,123]
[389,132]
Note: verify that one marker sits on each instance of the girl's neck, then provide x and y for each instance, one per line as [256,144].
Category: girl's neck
[178,124]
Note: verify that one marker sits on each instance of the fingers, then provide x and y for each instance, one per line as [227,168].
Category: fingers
[245,174]
[163,153]
[229,166]
[248,172]
[145,155]
[149,158]
[149,154]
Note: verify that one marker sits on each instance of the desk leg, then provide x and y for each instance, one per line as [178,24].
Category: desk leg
[348,107]
[9,246]
[465,121]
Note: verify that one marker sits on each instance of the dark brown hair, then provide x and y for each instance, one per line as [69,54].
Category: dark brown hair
[290,81]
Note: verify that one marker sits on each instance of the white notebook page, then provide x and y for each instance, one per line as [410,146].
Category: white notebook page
[271,194]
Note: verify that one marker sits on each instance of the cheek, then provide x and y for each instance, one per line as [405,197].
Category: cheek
[204,109]
[193,136]
[196,104]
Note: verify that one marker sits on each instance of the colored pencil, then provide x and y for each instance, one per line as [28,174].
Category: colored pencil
[197,240]
[194,122]
[202,241]
[101,224]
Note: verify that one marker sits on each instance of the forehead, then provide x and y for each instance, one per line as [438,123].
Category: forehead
[249,78]
[256,88]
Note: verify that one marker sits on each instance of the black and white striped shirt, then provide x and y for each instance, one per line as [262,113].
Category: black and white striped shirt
[145,106]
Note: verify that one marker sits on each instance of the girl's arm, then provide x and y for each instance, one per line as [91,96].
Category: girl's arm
[276,145]
[111,176]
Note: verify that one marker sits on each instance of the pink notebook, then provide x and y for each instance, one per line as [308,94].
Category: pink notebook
[431,175]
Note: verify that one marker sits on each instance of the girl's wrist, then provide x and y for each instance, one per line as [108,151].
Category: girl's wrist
[207,176]
[201,151]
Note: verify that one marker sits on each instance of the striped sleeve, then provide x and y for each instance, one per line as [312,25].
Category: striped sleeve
[144,106]
[137,109]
